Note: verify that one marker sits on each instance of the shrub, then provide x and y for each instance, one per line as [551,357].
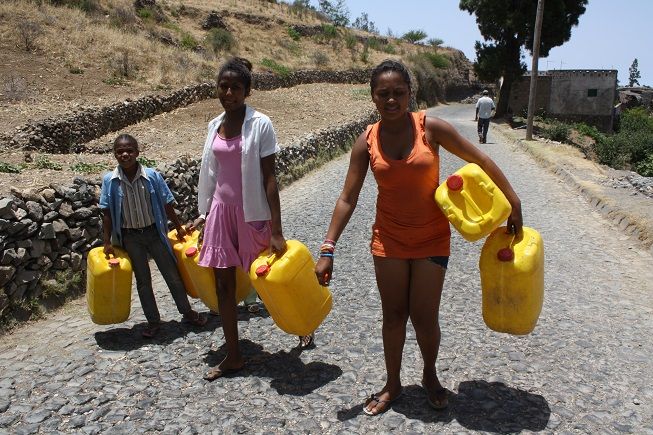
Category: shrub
[329,32]
[122,17]
[44,162]
[8,168]
[88,168]
[278,69]
[557,131]
[14,89]
[389,48]
[122,65]
[150,163]
[436,59]
[320,59]
[294,34]
[645,167]
[220,40]
[28,32]
[632,146]
[188,41]
[292,46]
[365,54]
[65,282]
[350,40]
[414,36]
[435,42]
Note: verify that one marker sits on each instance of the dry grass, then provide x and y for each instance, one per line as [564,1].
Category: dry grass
[81,59]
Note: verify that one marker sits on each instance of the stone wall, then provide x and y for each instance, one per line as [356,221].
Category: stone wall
[69,132]
[52,230]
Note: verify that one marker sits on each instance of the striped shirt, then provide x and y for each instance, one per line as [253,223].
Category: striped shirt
[136,202]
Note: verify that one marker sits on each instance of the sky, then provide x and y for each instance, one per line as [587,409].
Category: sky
[610,34]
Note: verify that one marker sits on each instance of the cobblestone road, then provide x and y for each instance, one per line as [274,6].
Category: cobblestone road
[587,367]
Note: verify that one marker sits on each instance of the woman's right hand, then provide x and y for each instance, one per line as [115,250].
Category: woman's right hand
[324,270]
[108,250]
[196,224]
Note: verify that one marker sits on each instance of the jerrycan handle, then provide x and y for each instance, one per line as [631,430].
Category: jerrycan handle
[455,182]
[263,269]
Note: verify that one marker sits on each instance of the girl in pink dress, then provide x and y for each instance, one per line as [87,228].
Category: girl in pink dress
[238,198]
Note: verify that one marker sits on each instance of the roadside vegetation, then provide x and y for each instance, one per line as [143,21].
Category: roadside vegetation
[629,147]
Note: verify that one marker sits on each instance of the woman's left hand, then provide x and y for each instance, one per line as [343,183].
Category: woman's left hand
[515,222]
[277,244]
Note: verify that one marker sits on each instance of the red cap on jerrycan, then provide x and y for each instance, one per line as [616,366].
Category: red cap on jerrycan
[262,270]
[505,254]
[191,251]
[114,262]
[455,182]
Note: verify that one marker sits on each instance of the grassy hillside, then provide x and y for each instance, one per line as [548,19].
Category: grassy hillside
[57,54]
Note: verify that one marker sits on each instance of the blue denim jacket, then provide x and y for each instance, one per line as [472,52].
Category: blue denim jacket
[160,195]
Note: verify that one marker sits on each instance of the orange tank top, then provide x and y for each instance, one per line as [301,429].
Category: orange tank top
[408,223]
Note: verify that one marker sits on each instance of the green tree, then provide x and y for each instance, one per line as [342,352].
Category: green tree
[509,25]
[363,23]
[414,36]
[633,74]
[337,12]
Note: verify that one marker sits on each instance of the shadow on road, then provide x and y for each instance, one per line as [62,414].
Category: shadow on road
[126,339]
[478,406]
[289,374]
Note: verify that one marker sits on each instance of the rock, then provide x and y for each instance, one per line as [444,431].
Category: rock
[7,208]
[47,231]
[214,20]
[6,273]
[34,211]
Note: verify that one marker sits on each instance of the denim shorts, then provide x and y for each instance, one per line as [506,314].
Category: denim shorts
[440,260]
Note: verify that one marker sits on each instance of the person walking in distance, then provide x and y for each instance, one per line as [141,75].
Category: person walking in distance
[410,236]
[136,202]
[484,108]
[238,199]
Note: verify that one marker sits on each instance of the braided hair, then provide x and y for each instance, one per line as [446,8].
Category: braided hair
[242,68]
[389,65]
[127,138]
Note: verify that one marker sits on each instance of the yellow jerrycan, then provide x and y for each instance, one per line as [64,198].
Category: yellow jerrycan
[289,289]
[471,201]
[179,248]
[512,280]
[200,281]
[108,286]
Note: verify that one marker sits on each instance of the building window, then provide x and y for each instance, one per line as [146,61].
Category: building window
[592,92]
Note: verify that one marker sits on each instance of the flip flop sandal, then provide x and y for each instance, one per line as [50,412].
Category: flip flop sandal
[440,404]
[151,330]
[387,403]
[197,319]
[216,372]
[253,308]
[306,341]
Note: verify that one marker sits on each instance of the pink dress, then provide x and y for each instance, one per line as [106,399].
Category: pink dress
[229,240]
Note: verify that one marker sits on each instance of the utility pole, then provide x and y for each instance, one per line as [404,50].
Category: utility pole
[534,73]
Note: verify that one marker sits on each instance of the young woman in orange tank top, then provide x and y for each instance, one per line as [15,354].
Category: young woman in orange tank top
[410,237]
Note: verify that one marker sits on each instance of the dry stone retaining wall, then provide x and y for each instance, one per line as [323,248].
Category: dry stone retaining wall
[69,133]
[53,229]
